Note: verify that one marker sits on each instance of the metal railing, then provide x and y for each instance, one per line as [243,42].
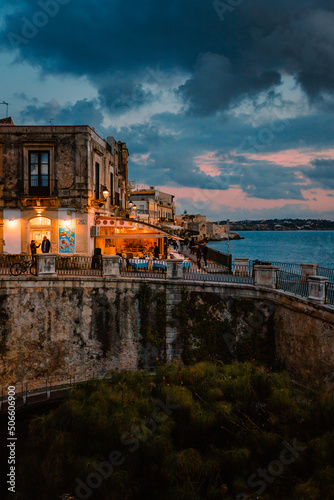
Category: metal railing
[143,274]
[43,390]
[221,258]
[329,298]
[6,260]
[242,270]
[288,267]
[325,271]
[78,265]
[291,282]
[39,391]
[202,275]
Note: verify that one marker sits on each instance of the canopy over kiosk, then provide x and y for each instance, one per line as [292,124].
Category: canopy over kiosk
[116,235]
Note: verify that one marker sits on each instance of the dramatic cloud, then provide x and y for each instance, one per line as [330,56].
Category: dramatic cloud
[322,174]
[81,113]
[237,101]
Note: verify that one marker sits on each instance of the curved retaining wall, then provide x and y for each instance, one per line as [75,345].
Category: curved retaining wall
[54,326]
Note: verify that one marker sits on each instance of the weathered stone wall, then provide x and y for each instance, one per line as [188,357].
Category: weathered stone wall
[58,326]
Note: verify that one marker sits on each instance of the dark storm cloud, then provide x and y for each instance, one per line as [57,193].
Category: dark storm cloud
[120,93]
[173,157]
[83,112]
[271,182]
[247,53]
[322,173]
[216,84]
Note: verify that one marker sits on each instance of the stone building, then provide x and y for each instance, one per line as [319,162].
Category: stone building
[54,182]
[154,206]
[198,225]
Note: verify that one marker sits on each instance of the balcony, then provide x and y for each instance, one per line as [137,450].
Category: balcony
[39,202]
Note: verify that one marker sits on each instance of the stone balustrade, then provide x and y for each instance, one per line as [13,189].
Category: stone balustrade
[46,264]
[317,288]
[174,268]
[110,265]
[309,270]
[266,275]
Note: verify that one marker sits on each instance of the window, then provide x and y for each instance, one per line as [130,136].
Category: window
[111,189]
[97,181]
[39,173]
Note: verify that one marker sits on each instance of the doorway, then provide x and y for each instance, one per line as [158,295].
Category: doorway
[38,228]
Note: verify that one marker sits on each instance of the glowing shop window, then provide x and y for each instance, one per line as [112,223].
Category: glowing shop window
[40,221]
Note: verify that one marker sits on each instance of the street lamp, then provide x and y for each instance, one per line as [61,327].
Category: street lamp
[105,193]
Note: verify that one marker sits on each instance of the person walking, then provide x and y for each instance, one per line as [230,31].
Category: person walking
[205,253]
[198,256]
[192,245]
[46,245]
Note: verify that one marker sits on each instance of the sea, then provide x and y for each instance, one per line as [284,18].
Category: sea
[309,247]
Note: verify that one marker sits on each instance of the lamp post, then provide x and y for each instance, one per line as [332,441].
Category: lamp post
[132,208]
[228,235]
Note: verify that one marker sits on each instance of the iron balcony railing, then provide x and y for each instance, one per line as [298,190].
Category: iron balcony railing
[291,282]
[6,260]
[329,294]
[78,265]
[324,271]
[143,274]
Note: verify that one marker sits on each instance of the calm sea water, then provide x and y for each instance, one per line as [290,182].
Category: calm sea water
[313,247]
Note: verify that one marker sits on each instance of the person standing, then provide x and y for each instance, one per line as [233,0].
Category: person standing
[46,245]
[192,245]
[205,253]
[156,251]
[33,249]
[198,256]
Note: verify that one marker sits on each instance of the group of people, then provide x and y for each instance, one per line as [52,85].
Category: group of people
[45,247]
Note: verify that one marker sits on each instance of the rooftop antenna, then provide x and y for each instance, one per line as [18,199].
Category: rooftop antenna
[6,104]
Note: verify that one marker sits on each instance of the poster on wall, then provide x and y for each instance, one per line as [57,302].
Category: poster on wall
[66,240]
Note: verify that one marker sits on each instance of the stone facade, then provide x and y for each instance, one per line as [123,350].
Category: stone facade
[154,206]
[53,178]
[54,326]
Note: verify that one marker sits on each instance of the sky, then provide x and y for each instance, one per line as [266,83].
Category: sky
[229,105]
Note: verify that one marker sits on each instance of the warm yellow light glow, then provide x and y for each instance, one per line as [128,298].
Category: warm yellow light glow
[68,223]
[12,222]
[40,221]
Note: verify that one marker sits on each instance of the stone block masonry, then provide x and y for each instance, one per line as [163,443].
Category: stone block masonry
[173,298]
[54,326]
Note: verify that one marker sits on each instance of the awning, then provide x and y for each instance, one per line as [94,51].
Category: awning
[127,228]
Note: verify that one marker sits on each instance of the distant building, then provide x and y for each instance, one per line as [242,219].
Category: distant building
[198,224]
[154,206]
[54,182]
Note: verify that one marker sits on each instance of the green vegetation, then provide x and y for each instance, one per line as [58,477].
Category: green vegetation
[200,432]
[209,329]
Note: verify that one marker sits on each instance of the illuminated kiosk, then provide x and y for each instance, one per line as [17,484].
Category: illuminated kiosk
[117,235]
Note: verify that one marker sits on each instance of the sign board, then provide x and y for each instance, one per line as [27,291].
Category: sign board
[66,240]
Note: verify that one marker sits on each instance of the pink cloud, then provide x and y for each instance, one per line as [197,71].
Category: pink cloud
[236,199]
[292,157]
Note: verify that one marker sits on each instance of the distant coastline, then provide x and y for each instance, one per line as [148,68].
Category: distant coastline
[287,229]
[280,225]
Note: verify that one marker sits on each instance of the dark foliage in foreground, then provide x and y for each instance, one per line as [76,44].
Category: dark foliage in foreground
[231,423]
